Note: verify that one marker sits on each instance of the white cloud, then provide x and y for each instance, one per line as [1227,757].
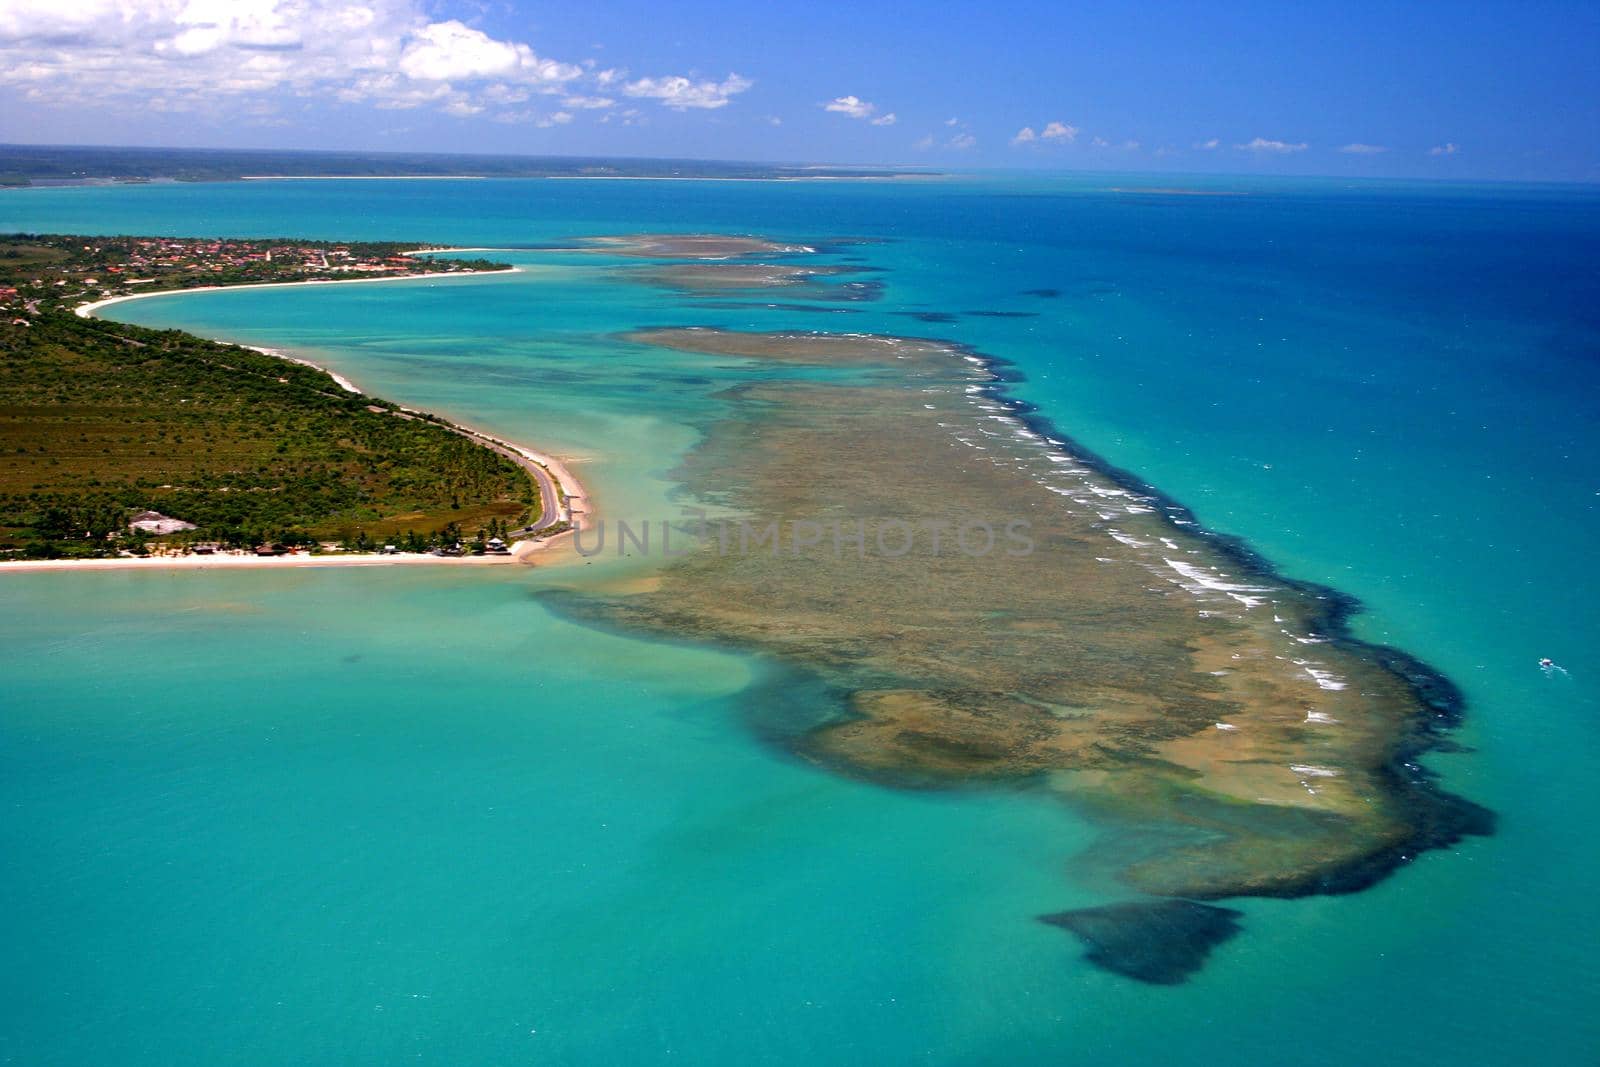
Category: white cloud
[851,106]
[680,94]
[1126,146]
[1052,133]
[534,118]
[1449,148]
[856,108]
[924,143]
[1209,146]
[961,142]
[447,51]
[251,57]
[1359,149]
[952,121]
[1261,144]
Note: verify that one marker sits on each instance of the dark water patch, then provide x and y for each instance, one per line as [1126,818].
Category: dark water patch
[837,246]
[938,317]
[749,305]
[854,291]
[1161,942]
[1046,294]
[1004,314]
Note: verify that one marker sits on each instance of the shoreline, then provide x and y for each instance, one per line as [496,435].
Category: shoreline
[86,311]
[568,499]
[237,561]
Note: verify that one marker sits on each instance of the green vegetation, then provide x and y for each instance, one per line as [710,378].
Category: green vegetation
[100,420]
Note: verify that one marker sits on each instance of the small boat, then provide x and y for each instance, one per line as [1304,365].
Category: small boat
[1547,663]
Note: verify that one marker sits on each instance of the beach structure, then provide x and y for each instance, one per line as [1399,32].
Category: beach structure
[153,522]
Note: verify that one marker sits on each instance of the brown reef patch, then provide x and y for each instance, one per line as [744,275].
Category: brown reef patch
[691,246]
[1214,716]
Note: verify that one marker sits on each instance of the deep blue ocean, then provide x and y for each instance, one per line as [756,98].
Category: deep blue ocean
[372,816]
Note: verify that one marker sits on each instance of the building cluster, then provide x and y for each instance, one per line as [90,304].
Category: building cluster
[114,266]
[156,255]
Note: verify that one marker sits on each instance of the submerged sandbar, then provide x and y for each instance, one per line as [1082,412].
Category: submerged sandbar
[692,246]
[1215,715]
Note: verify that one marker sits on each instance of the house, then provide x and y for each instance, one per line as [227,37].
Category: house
[153,522]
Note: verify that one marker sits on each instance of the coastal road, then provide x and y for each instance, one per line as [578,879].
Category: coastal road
[549,492]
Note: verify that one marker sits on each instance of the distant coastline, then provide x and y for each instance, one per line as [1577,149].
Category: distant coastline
[361,177]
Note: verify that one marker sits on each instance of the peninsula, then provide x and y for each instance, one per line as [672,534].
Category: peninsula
[125,444]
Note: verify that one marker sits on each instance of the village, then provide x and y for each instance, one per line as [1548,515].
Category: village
[56,272]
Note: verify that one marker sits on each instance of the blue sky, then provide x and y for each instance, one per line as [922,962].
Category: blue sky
[1470,91]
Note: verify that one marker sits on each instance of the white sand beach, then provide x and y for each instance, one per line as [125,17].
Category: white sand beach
[88,310]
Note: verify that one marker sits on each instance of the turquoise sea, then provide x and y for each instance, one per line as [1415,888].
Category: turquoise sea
[412,814]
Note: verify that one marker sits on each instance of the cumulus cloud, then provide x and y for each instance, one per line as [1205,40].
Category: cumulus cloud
[1359,149]
[448,51]
[1262,144]
[1209,146]
[961,142]
[246,57]
[851,106]
[534,118]
[1052,133]
[856,108]
[680,93]
[1449,148]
